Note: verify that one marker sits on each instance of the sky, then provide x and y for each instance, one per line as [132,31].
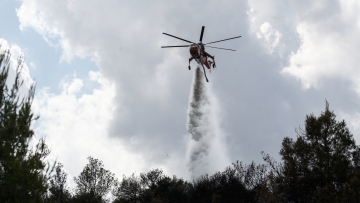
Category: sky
[105,88]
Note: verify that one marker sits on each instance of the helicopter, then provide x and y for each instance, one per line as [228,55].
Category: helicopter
[197,51]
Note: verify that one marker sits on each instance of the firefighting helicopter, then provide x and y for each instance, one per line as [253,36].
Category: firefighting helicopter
[197,51]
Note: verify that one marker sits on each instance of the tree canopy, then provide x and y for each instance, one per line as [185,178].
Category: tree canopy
[94,181]
[23,172]
[321,165]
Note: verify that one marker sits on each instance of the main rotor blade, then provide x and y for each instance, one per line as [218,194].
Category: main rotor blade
[221,48]
[223,40]
[177,37]
[175,46]
[202,33]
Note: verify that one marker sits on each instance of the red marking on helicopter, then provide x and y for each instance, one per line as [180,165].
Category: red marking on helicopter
[197,51]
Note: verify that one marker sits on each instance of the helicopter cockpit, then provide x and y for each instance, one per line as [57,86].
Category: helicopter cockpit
[195,50]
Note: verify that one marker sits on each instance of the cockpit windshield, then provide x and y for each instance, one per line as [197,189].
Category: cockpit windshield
[194,51]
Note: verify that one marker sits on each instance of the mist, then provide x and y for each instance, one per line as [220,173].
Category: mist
[207,150]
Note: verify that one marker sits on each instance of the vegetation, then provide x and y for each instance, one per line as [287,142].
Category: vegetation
[58,191]
[24,174]
[94,182]
[321,165]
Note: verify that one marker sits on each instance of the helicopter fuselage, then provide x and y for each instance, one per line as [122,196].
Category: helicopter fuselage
[196,51]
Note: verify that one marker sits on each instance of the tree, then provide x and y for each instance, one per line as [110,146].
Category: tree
[320,164]
[256,179]
[59,192]
[128,190]
[226,186]
[94,182]
[153,186]
[23,172]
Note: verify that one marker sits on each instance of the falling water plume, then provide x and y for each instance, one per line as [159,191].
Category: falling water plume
[207,151]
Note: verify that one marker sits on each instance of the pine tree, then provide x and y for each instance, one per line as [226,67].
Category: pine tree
[319,163]
[23,172]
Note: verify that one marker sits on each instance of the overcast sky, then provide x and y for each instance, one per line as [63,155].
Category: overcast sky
[106,89]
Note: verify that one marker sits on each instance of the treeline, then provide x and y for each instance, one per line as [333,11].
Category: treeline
[321,165]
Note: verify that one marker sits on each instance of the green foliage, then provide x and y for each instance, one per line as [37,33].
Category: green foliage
[59,192]
[87,198]
[234,184]
[153,186]
[320,164]
[23,172]
[94,181]
[129,190]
